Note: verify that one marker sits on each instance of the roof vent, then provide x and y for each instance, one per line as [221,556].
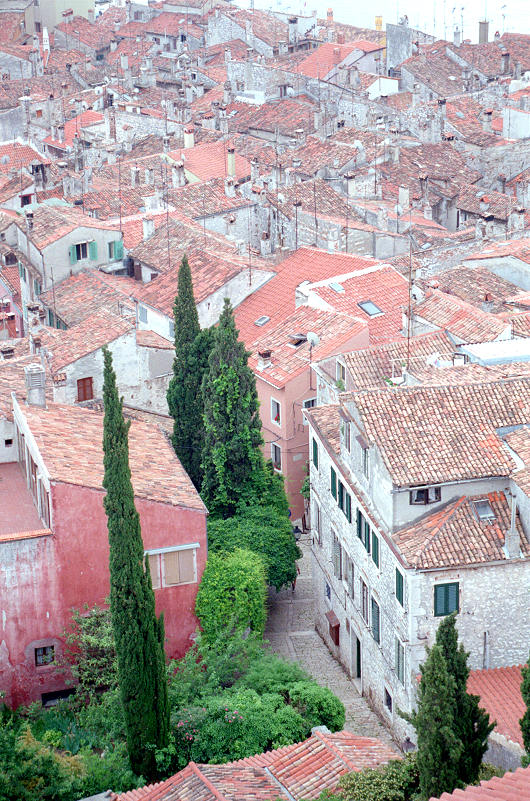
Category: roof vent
[262,320]
[35,385]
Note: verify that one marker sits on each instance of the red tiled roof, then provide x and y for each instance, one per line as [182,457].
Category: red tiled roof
[276,298]
[510,787]
[70,439]
[499,690]
[454,535]
[73,127]
[210,160]
[303,769]
[320,62]
[80,29]
[150,339]
[83,294]
[14,155]
[459,318]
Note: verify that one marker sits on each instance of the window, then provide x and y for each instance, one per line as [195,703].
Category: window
[172,567]
[337,557]
[370,308]
[347,508]
[364,601]
[376,621]
[38,112]
[317,520]
[341,372]
[341,496]
[399,665]
[365,461]
[388,701]
[8,443]
[85,389]
[349,576]
[115,250]
[51,318]
[333,483]
[399,588]
[142,314]
[25,200]
[446,599]
[44,655]
[22,271]
[275,412]
[366,538]
[37,287]
[310,403]
[375,548]
[483,509]
[171,329]
[81,251]
[360,524]
[425,495]
[347,437]
[315,453]
[276,456]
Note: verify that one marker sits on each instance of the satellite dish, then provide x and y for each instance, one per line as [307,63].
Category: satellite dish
[313,339]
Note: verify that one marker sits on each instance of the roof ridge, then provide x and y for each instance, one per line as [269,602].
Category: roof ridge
[336,751]
[211,787]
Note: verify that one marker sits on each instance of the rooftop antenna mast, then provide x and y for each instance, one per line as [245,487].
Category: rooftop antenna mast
[409,310]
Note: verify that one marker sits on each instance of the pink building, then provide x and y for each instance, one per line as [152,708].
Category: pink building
[54,552]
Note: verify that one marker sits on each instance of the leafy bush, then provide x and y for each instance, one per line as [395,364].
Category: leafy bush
[232,593]
[317,705]
[90,655]
[263,530]
[272,674]
[396,781]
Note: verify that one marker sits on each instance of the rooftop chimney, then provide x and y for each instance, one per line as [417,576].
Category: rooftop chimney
[35,385]
[148,225]
[29,221]
[264,359]
[231,162]
[512,545]
[483,31]
[456,37]
[189,137]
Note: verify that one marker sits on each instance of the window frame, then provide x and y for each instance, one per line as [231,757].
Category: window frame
[318,521]
[276,413]
[161,552]
[365,601]
[427,499]
[313,403]
[42,652]
[373,628]
[80,248]
[315,453]
[347,436]
[336,555]
[276,448]
[333,483]
[82,383]
[142,313]
[365,461]
[399,660]
[400,587]
[340,372]
[445,587]
[375,550]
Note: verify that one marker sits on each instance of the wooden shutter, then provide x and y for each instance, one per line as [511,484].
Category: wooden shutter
[400,661]
[118,249]
[348,507]
[154,568]
[399,587]
[171,568]
[376,632]
[375,548]
[439,600]
[341,496]
[315,453]
[93,250]
[73,254]
[451,598]
[187,566]
[336,556]
[360,521]
[367,536]
[334,483]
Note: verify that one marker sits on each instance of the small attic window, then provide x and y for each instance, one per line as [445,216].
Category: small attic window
[297,339]
[483,510]
[336,286]
[262,320]
[370,308]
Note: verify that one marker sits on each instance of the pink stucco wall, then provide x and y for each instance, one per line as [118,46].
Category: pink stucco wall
[46,577]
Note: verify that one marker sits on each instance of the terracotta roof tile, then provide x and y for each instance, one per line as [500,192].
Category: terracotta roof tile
[459,318]
[454,535]
[14,155]
[81,295]
[210,160]
[473,284]
[510,787]
[499,690]
[70,439]
[150,339]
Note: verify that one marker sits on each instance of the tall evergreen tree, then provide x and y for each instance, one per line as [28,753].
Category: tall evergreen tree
[138,634]
[439,750]
[472,723]
[184,399]
[234,474]
[525,720]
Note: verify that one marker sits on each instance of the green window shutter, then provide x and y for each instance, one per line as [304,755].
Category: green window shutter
[400,661]
[376,629]
[375,548]
[315,453]
[118,249]
[93,250]
[367,536]
[341,496]
[399,587]
[334,483]
[336,557]
[73,255]
[360,524]
[452,598]
[348,507]
[446,599]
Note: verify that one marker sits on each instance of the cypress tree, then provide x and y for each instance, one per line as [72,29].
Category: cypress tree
[472,723]
[184,399]
[525,720]
[234,474]
[138,634]
[439,750]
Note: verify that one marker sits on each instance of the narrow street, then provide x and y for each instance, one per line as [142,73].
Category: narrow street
[291,633]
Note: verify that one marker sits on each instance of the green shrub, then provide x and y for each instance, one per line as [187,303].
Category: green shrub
[232,593]
[317,705]
[264,530]
[272,674]
[396,781]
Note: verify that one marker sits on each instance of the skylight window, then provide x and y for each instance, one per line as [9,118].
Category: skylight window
[370,308]
[483,510]
[336,286]
[262,320]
